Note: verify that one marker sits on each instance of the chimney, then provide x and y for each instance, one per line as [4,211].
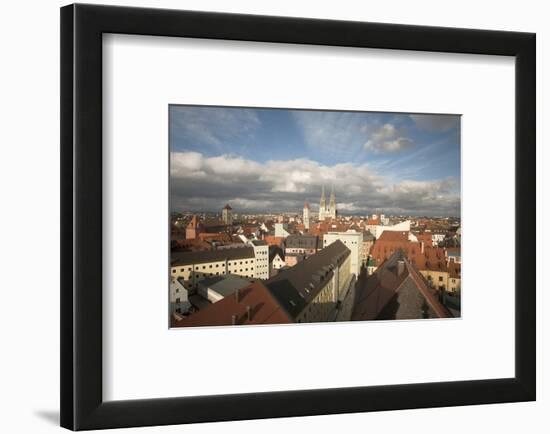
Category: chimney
[400,267]
[237,295]
[248,312]
[233,319]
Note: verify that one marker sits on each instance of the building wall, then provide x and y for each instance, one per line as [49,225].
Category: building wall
[335,300]
[179,302]
[261,267]
[277,263]
[290,260]
[353,241]
[193,273]
[280,230]
[367,245]
[438,278]
[345,310]
[227,216]
[453,284]
[300,250]
[322,307]
[377,230]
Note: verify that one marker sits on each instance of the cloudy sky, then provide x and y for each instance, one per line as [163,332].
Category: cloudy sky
[273,160]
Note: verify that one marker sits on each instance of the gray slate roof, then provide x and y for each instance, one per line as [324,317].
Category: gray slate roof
[295,287]
[368,236]
[189,258]
[302,242]
[224,285]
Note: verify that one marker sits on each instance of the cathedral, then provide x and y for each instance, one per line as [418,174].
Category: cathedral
[327,212]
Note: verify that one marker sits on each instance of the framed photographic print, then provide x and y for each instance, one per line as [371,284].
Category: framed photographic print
[268,217]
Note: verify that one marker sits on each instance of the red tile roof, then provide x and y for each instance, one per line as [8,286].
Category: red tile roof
[454,270]
[254,305]
[425,237]
[385,283]
[402,236]
[274,241]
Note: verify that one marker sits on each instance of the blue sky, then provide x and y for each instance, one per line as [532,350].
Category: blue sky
[375,161]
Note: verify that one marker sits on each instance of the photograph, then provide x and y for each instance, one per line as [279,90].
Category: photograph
[281,216]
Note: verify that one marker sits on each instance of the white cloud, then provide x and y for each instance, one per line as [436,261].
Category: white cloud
[387,138]
[207,183]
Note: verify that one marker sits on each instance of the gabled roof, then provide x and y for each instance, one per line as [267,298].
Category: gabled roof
[188,258]
[295,287]
[194,223]
[302,242]
[224,285]
[274,251]
[382,287]
[254,305]
[401,236]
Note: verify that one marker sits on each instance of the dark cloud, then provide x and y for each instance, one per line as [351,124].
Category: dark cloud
[200,183]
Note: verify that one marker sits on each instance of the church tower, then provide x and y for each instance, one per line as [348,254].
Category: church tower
[322,205]
[193,228]
[227,215]
[306,215]
[332,205]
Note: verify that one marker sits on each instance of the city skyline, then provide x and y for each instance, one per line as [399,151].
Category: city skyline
[274,160]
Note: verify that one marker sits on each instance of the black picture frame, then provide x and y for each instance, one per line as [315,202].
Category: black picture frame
[82,27]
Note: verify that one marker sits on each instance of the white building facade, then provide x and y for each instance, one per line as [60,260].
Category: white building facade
[306,216]
[261,257]
[377,230]
[353,241]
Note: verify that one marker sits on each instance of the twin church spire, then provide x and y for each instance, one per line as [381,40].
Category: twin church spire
[330,211]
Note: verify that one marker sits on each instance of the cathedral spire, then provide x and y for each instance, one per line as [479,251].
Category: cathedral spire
[332,204]
[322,205]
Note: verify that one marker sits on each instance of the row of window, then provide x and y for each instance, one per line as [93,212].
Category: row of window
[198,267]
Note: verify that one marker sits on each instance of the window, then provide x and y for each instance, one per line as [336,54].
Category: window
[441,278]
[182,270]
[174,270]
[178,300]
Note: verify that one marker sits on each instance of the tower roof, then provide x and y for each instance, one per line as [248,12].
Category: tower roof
[306,205]
[193,223]
[227,207]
